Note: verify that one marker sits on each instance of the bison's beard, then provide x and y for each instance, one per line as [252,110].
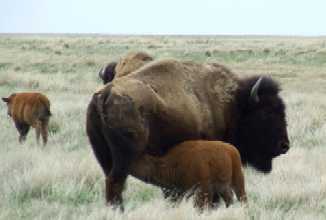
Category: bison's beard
[263,165]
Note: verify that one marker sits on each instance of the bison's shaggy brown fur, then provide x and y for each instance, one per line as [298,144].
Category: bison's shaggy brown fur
[127,64]
[210,167]
[29,109]
[168,101]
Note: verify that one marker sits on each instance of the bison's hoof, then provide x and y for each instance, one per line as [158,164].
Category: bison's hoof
[115,206]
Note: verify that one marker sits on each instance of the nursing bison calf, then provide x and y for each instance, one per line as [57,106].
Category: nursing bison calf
[211,168]
[29,109]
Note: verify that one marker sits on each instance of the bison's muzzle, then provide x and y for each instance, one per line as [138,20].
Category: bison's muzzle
[284,147]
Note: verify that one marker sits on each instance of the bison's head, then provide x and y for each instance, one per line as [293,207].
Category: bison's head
[107,73]
[261,132]
[8,101]
[131,62]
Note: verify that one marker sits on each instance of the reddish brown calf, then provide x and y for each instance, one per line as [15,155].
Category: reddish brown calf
[29,109]
[213,168]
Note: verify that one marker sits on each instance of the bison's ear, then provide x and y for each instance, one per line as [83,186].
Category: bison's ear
[254,91]
[6,100]
[107,73]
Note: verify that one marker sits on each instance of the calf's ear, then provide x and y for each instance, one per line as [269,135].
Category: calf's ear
[6,100]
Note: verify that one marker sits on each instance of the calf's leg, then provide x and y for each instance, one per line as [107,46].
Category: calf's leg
[45,131]
[204,197]
[216,200]
[173,195]
[238,182]
[227,196]
[23,129]
[239,187]
[38,131]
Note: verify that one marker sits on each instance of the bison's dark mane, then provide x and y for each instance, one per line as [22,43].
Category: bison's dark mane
[255,120]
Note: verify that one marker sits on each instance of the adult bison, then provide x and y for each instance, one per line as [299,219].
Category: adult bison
[126,65]
[168,101]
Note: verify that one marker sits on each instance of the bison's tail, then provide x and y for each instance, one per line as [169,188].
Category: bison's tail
[46,113]
[95,135]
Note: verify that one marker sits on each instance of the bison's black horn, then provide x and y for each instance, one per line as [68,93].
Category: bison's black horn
[254,91]
[101,73]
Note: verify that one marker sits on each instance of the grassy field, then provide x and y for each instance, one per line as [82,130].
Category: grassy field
[63,179]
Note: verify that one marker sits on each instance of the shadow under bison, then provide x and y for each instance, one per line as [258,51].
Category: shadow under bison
[166,102]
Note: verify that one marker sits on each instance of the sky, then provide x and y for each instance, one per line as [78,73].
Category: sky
[239,17]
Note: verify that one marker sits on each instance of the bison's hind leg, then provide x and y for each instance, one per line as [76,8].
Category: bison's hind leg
[45,130]
[125,132]
[98,143]
[37,126]
[41,128]
[123,153]
[23,129]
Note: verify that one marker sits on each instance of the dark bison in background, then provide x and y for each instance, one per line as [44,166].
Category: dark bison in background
[126,65]
[168,101]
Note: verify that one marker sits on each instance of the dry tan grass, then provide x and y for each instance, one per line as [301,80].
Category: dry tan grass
[64,181]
